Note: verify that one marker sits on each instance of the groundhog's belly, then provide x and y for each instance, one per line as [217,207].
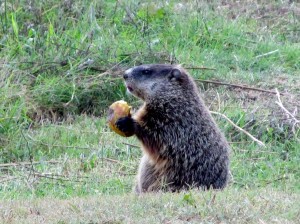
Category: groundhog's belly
[183,173]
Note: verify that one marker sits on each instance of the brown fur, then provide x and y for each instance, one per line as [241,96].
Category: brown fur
[182,145]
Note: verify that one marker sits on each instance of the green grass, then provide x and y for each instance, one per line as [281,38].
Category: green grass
[60,68]
[230,206]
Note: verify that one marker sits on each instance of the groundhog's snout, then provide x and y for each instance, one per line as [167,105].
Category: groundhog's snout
[127,73]
[126,77]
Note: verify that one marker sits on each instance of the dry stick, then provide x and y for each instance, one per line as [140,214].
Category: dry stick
[51,162]
[25,163]
[62,146]
[111,160]
[279,103]
[72,97]
[267,54]
[243,142]
[256,151]
[289,114]
[240,129]
[58,178]
[200,68]
[134,146]
[63,176]
[69,146]
[237,86]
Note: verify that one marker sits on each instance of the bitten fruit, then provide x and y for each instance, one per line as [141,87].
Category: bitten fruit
[118,110]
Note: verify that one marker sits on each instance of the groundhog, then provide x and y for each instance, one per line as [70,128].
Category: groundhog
[182,145]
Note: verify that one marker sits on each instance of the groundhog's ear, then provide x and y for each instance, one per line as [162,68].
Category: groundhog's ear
[175,74]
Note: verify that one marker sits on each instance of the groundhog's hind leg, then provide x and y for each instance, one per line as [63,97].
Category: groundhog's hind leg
[147,179]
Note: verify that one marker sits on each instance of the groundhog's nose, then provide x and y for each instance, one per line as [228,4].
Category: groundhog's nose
[127,73]
[125,76]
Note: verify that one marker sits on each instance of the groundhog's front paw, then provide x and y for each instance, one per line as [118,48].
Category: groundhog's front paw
[126,125]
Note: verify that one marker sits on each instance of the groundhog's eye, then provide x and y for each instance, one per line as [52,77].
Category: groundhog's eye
[146,71]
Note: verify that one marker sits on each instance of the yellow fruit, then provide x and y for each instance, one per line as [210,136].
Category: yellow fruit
[118,110]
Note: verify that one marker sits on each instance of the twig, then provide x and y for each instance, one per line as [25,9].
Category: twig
[279,103]
[267,54]
[240,129]
[75,147]
[30,156]
[239,184]
[72,97]
[200,68]
[134,146]
[26,163]
[243,142]
[289,114]
[111,160]
[59,178]
[63,176]
[238,86]
[256,151]
[62,146]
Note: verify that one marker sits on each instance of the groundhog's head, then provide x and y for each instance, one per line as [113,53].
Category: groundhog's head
[151,81]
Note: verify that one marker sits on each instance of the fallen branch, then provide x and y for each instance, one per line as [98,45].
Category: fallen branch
[72,97]
[239,128]
[200,68]
[26,163]
[62,146]
[289,114]
[134,146]
[54,177]
[256,151]
[267,54]
[238,86]
[62,175]
[110,160]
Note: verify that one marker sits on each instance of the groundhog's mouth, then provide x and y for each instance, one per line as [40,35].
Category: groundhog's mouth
[130,89]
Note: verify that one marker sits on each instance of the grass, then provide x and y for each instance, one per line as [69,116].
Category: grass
[60,68]
[230,206]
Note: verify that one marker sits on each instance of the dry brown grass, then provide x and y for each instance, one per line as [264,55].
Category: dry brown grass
[230,206]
